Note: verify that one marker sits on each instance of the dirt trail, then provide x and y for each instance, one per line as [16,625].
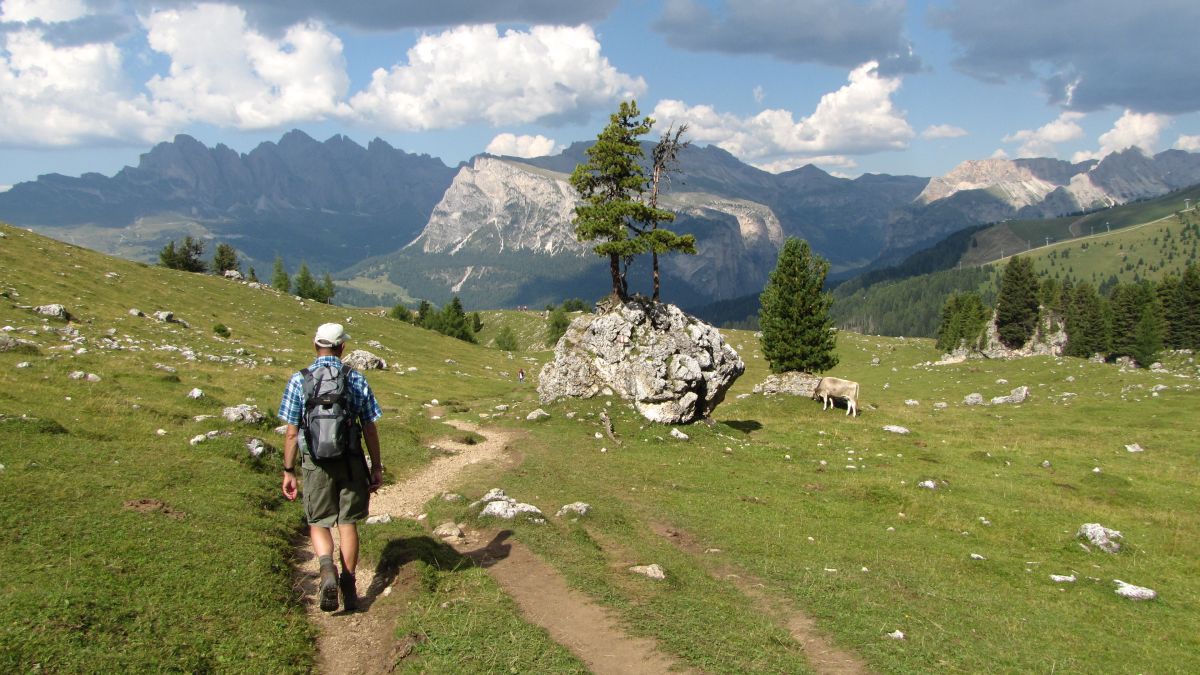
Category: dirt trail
[822,654]
[363,642]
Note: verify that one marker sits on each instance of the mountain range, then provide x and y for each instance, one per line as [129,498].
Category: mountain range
[394,226]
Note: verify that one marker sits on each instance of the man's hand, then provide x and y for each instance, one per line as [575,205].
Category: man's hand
[376,477]
[289,486]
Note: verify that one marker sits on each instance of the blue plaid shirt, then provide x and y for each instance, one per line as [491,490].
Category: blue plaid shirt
[362,399]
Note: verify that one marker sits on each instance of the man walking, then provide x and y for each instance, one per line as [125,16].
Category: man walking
[337,489]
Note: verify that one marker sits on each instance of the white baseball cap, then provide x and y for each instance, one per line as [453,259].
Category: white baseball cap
[330,335]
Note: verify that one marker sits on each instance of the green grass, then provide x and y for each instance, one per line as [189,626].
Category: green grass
[93,586]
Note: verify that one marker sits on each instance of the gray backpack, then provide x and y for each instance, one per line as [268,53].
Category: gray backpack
[331,428]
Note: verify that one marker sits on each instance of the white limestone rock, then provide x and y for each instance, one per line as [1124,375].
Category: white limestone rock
[974,398]
[1101,537]
[577,508]
[675,433]
[244,413]
[896,429]
[196,393]
[361,359]
[792,382]
[536,415]
[1134,592]
[652,571]
[1018,395]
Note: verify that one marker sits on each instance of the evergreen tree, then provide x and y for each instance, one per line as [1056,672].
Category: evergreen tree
[279,277]
[1185,326]
[454,322]
[963,320]
[251,276]
[1017,303]
[225,259]
[1168,300]
[1148,336]
[476,322]
[506,339]
[304,283]
[327,290]
[1128,305]
[611,183]
[401,313]
[557,325]
[1087,330]
[798,333]
[188,256]
[424,311]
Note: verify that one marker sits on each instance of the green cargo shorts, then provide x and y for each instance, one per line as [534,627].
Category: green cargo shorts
[336,491]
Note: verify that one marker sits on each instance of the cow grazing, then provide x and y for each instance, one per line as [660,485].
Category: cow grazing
[830,388]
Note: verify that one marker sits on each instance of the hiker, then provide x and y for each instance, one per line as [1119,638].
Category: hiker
[329,410]
[521,375]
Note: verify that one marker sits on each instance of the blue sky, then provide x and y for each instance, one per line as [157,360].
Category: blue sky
[880,86]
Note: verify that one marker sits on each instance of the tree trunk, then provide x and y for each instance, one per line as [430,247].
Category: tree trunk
[654,257]
[614,267]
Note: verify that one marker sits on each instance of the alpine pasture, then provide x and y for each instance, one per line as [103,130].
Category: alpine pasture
[127,547]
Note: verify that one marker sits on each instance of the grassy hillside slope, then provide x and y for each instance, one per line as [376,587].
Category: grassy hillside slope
[813,511]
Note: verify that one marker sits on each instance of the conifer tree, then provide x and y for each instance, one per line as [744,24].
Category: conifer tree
[327,290]
[1133,333]
[187,256]
[304,283]
[611,183]
[963,319]
[251,276]
[424,311]
[1185,325]
[454,322]
[665,161]
[1087,330]
[279,277]
[557,325]
[225,259]
[798,333]
[1017,303]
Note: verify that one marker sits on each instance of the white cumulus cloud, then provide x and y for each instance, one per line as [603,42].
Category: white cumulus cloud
[1043,141]
[512,145]
[477,74]
[858,118]
[1132,129]
[238,77]
[1188,143]
[52,95]
[936,131]
[49,11]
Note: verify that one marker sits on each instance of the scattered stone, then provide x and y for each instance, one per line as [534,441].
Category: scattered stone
[1002,381]
[928,484]
[941,405]
[792,382]
[160,432]
[875,361]
[508,510]
[1100,536]
[256,447]
[578,508]
[92,377]
[379,519]
[1017,395]
[654,571]
[675,368]
[1045,464]
[1134,592]
[675,433]
[244,413]
[165,317]
[448,530]
[195,394]
[1134,447]
[11,344]
[537,415]
[452,497]
[54,311]
[233,275]
[198,439]
[976,556]
[502,407]
[911,402]
[973,399]
[361,359]
[136,312]
[896,429]
[1063,578]
[896,634]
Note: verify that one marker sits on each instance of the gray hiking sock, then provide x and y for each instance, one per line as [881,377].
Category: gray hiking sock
[326,561]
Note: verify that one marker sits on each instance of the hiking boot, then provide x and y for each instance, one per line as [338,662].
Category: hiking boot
[328,590]
[349,591]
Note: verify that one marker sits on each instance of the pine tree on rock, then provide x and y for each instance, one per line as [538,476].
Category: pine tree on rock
[798,333]
[611,183]
[1017,303]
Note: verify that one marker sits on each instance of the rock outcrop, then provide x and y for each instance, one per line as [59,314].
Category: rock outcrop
[361,359]
[673,367]
[792,382]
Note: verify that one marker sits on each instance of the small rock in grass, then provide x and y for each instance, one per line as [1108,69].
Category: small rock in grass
[247,414]
[1100,536]
[160,432]
[976,556]
[578,508]
[23,364]
[1134,447]
[256,447]
[911,402]
[448,529]
[1063,578]
[928,484]
[195,393]
[451,497]
[537,415]
[941,405]
[654,571]
[1045,464]
[379,519]
[675,433]
[896,634]
[973,399]
[896,429]
[1134,592]
[197,440]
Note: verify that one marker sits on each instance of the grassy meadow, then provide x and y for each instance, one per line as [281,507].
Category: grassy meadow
[820,512]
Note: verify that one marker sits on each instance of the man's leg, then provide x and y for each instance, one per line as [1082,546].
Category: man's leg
[348,534]
[327,590]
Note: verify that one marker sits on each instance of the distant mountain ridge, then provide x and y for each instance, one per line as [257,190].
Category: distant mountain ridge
[392,225]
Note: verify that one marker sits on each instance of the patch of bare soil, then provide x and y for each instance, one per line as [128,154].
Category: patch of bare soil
[571,618]
[154,505]
[822,654]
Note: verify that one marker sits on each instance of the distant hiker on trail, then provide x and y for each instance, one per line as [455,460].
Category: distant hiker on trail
[329,410]
[521,375]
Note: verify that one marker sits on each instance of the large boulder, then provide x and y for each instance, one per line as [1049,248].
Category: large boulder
[1049,339]
[674,367]
[361,359]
